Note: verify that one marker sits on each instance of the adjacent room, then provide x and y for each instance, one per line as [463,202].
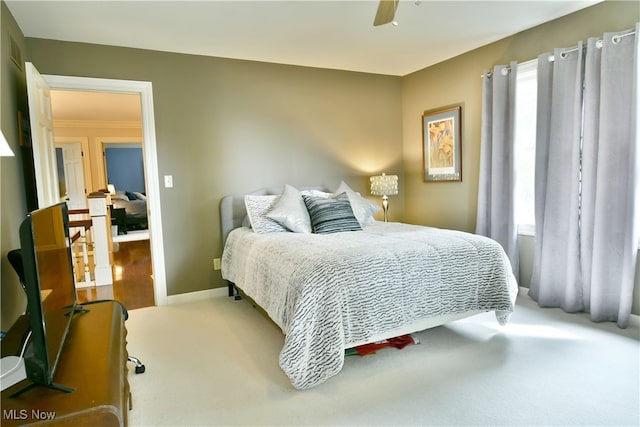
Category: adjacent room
[320,212]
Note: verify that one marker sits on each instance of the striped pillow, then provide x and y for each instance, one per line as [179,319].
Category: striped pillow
[331,215]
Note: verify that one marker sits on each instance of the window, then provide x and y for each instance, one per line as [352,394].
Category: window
[525,145]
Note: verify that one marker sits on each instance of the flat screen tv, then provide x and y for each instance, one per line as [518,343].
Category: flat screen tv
[50,289]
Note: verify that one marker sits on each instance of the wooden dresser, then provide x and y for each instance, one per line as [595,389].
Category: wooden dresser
[93,362]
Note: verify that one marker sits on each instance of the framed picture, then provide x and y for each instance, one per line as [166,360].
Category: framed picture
[442,145]
[24,130]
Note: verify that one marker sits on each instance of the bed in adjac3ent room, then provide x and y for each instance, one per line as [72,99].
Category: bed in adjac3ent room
[332,278]
[135,207]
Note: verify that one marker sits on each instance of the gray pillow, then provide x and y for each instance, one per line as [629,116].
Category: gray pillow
[290,211]
[331,215]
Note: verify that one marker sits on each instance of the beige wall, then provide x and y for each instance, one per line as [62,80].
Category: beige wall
[13,206]
[226,126]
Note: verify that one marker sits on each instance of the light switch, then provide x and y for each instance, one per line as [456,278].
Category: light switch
[168,181]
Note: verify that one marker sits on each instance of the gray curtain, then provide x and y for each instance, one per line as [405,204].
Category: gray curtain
[496,192]
[555,280]
[587,178]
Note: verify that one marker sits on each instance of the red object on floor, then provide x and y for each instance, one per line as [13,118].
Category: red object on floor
[397,342]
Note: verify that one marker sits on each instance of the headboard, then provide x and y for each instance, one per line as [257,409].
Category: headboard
[233,211]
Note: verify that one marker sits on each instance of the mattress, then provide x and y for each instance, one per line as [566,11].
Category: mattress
[328,291]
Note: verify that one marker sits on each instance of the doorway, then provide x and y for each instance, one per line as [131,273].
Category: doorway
[83,121]
[144,91]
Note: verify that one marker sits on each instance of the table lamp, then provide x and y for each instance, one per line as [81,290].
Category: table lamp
[384,185]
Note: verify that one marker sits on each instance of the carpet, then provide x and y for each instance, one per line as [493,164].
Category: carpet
[215,362]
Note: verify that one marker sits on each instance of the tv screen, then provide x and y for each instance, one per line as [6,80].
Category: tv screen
[50,288]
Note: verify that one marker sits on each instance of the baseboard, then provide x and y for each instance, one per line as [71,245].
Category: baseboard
[634,321]
[197,296]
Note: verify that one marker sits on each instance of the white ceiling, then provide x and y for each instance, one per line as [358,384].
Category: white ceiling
[326,34]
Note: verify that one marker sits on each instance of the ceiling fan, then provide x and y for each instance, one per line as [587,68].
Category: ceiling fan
[386,12]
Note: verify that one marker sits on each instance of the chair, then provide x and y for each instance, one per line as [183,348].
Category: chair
[15,259]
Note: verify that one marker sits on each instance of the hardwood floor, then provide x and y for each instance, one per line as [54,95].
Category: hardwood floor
[132,278]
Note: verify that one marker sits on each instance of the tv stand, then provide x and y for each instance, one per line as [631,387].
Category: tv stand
[93,362]
[78,309]
[52,386]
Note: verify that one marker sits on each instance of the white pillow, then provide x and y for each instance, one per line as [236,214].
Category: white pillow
[257,209]
[363,209]
[120,195]
[290,211]
[316,193]
[140,195]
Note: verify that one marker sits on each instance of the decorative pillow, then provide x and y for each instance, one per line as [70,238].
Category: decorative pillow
[331,215]
[363,209]
[290,211]
[130,195]
[120,195]
[316,193]
[257,209]
[140,195]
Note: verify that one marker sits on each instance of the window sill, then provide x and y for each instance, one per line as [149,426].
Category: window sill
[527,230]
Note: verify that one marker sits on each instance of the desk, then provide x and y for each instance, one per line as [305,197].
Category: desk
[93,362]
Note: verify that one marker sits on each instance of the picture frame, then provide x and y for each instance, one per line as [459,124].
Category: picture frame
[442,145]
[24,130]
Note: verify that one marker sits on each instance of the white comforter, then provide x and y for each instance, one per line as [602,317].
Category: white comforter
[327,290]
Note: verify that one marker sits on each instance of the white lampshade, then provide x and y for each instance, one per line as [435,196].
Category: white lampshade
[5,149]
[112,189]
[384,185]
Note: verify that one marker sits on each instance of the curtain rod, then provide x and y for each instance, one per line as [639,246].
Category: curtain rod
[599,43]
[615,40]
[506,70]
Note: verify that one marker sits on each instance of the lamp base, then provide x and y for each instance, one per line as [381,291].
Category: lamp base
[385,208]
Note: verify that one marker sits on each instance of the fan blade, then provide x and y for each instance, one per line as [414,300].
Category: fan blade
[386,12]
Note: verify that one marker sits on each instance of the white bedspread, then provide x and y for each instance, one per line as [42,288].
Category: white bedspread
[328,290]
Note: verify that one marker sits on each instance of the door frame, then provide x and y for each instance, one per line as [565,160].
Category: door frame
[145,90]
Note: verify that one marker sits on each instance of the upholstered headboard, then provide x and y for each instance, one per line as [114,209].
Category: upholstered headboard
[233,211]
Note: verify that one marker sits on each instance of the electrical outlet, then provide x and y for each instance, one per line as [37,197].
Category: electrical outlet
[216,264]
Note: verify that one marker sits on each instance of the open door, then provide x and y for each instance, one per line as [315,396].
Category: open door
[73,179]
[42,140]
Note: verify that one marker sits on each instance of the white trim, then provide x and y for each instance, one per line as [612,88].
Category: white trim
[634,320]
[198,295]
[145,90]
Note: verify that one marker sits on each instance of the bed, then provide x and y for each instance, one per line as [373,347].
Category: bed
[329,291]
[135,207]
